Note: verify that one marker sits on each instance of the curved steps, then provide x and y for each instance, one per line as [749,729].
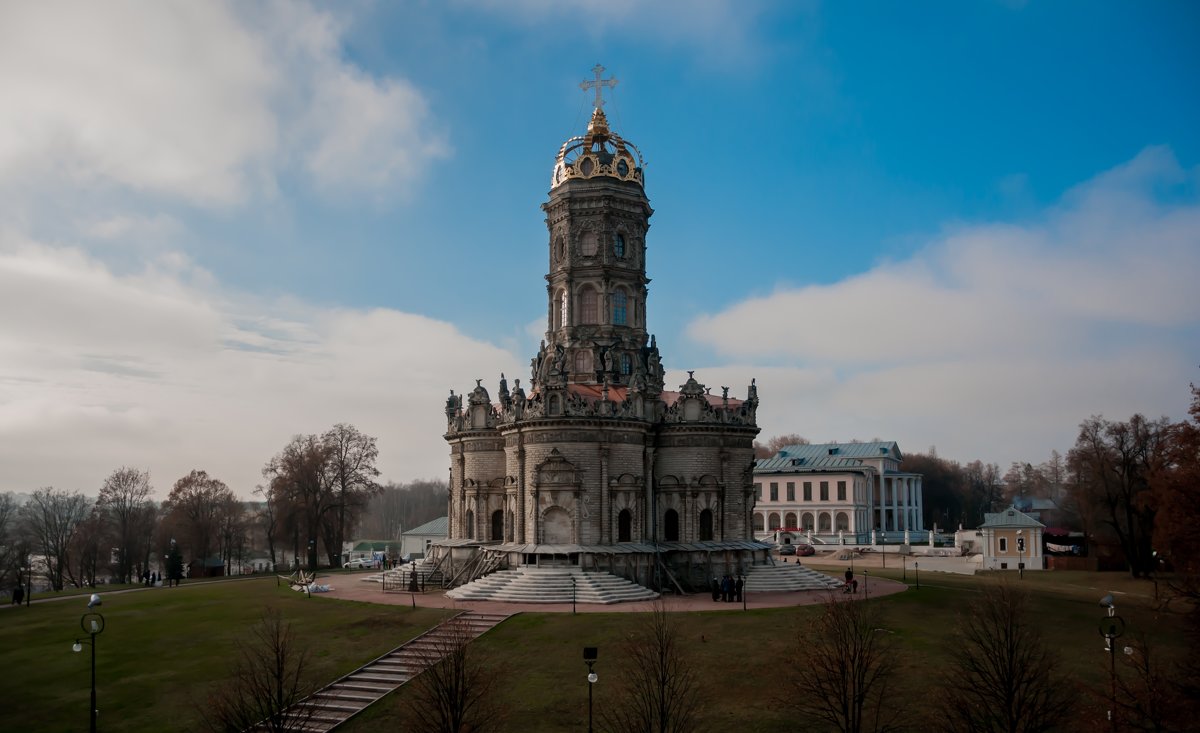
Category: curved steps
[545,585]
[787,577]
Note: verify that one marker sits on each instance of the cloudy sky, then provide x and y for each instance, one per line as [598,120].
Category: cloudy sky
[968,225]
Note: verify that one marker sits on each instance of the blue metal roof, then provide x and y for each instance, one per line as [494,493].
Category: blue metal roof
[439,527]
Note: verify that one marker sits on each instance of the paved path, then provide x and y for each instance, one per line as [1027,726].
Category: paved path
[351,587]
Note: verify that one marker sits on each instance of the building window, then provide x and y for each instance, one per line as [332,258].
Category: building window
[808,490]
[587,304]
[824,491]
[758,489]
[773,522]
[497,526]
[583,361]
[625,526]
[1003,544]
[758,522]
[823,523]
[789,520]
[706,523]
[619,244]
[774,491]
[806,522]
[587,244]
[626,365]
[843,522]
[791,490]
[671,526]
[841,490]
[560,310]
[620,313]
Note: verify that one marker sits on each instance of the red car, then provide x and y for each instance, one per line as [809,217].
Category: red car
[805,550]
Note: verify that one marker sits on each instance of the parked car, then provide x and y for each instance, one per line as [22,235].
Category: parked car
[787,550]
[360,564]
[805,550]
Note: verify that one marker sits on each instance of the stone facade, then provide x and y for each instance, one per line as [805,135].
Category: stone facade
[594,452]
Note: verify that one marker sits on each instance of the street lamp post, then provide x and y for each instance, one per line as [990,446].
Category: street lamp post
[883,546]
[1111,628]
[866,585]
[1021,554]
[92,624]
[589,658]
[572,595]
[917,573]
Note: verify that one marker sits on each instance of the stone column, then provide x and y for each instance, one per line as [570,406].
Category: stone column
[895,504]
[920,503]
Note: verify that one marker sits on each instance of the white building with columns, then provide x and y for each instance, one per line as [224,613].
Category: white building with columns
[838,492]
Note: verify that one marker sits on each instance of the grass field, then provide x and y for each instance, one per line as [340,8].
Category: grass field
[164,648]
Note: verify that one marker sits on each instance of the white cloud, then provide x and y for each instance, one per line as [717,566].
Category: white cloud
[996,340]
[152,370]
[206,103]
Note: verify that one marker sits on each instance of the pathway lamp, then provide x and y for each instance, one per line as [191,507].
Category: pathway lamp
[1112,627]
[92,624]
[917,573]
[589,658]
[883,546]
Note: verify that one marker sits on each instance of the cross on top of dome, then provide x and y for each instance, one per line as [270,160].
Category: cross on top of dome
[598,84]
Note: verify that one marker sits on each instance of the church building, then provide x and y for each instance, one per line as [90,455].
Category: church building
[591,462]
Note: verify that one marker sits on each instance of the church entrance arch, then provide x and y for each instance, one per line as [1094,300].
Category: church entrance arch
[706,525]
[625,526]
[556,527]
[497,526]
[671,526]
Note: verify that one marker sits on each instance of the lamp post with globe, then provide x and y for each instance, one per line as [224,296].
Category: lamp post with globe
[589,658]
[92,624]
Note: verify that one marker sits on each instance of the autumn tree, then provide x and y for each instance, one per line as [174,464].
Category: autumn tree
[778,443]
[658,690]
[265,685]
[848,676]
[1113,463]
[1001,676]
[352,473]
[194,508]
[1175,492]
[126,508]
[299,476]
[457,689]
[50,516]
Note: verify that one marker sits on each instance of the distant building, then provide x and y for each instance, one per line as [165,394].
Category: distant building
[837,491]
[417,540]
[1010,537]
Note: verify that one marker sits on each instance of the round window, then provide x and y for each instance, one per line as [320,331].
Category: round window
[622,168]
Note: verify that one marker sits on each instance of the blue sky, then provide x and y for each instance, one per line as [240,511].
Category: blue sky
[969,225]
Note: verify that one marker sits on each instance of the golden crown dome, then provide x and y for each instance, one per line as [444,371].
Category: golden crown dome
[601,153]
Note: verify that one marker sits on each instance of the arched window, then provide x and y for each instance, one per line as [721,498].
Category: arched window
[625,526]
[671,526]
[773,521]
[497,526]
[620,312]
[758,522]
[587,244]
[560,310]
[470,525]
[824,523]
[583,361]
[843,521]
[626,364]
[706,525]
[789,520]
[560,249]
[589,312]
[619,244]
[806,521]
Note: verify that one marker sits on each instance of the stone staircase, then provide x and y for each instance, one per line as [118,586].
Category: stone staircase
[787,577]
[339,701]
[551,585]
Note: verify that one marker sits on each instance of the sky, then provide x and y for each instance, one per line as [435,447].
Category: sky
[960,226]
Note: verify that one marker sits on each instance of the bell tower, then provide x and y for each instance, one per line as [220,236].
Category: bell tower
[596,287]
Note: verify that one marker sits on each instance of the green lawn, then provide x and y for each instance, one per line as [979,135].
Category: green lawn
[163,648]
[740,656]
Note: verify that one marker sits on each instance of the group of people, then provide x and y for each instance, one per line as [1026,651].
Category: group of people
[728,589]
[18,595]
[851,585]
[149,579]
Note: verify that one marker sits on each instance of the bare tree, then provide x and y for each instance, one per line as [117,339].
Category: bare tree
[126,507]
[1148,696]
[848,669]
[352,474]
[457,690]
[86,550]
[231,531]
[778,443]
[265,682]
[659,691]
[300,478]
[11,558]
[1001,676]
[403,506]
[50,516]
[194,508]
[268,518]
